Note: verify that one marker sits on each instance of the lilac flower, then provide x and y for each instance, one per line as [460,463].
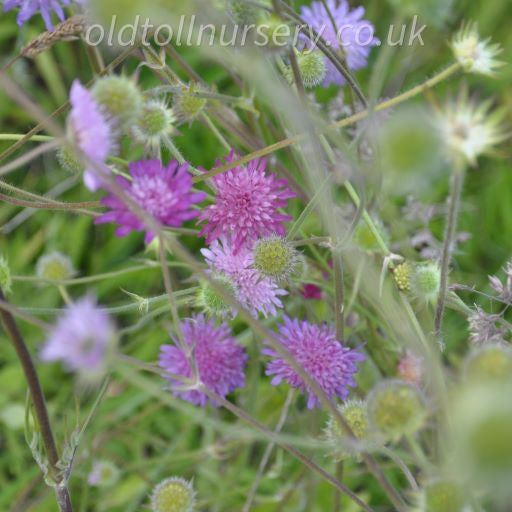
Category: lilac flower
[353,35]
[247,203]
[220,361]
[30,7]
[325,359]
[255,292]
[91,130]
[82,339]
[163,192]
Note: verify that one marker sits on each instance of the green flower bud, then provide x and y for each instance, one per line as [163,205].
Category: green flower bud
[312,68]
[54,266]
[212,302]
[402,275]
[120,97]
[69,161]
[443,496]
[426,282]
[491,362]
[154,122]
[274,257]
[396,408]
[173,495]
[187,106]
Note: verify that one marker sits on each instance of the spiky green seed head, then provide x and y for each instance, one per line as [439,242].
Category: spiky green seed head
[356,415]
[402,275]
[491,362]
[274,257]
[54,266]
[69,161]
[426,282]
[120,97]
[443,496]
[187,106]
[174,494]
[212,302]
[5,276]
[396,408]
[312,68]
[154,121]
[365,239]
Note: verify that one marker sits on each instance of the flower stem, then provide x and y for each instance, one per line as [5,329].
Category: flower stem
[39,402]
[449,237]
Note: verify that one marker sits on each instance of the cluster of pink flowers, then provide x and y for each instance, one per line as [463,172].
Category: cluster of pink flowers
[249,205]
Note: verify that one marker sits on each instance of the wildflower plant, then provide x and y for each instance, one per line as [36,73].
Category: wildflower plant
[284,256]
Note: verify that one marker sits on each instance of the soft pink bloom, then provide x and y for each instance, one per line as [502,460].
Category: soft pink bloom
[410,368]
[164,192]
[316,349]
[255,292]
[220,361]
[247,204]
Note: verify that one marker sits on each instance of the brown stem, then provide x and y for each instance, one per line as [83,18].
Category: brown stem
[38,400]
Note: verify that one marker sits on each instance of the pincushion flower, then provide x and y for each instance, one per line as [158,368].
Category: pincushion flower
[316,349]
[255,292]
[220,361]
[246,205]
[83,339]
[91,130]
[29,8]
[164,192]
[353,35]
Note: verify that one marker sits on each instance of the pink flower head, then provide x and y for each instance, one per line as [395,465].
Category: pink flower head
[256,293]
[410,368]
[82,338]
[30,7]
[311,291]
[354,35]
[246,205]
[163,192]
[320,354]
[91,130]
[220,361]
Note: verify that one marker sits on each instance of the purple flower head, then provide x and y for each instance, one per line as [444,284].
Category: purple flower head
[91,130]
[324,358]
[220,361]
[30,7]
[247,203]
[164,192]
[82,339]
[311,291]
[256,293]
[354,35]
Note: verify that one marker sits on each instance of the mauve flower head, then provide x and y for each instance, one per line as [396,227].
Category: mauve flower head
[220,361]
[91,130]
[257,293]
[45,7]
[164,192]
[311,291]
[316,349]
[83,339]
[247,204]
[356,34]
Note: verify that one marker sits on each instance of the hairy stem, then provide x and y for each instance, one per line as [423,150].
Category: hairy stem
[449,238]
[38,400]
